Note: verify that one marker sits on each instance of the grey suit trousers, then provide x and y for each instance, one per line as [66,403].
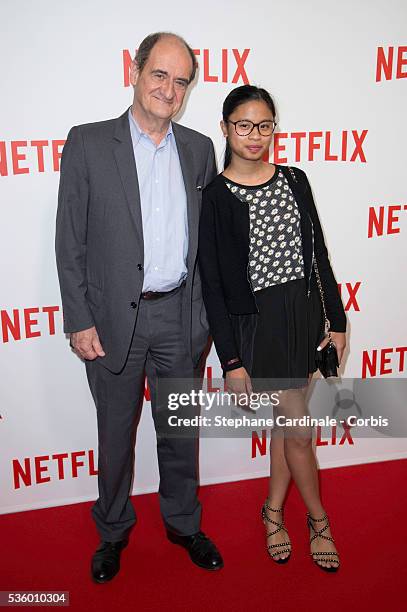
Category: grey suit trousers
[157,351]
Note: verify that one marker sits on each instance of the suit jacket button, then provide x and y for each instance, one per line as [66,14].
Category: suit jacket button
[139,267]
[133,304]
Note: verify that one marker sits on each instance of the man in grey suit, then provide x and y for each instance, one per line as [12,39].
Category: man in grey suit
[126,245]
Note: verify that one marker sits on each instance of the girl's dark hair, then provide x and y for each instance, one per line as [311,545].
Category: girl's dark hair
[238,96]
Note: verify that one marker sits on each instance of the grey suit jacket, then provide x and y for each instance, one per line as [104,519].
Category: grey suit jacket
[99,234]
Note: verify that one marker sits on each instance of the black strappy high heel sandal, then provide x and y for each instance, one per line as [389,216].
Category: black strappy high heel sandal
[328,557]
[285,547]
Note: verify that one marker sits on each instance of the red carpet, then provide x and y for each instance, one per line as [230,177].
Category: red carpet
[50,549]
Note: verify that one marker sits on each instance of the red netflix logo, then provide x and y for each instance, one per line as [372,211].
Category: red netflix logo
[345,146]
[60,466]
[386,60]
[260,446]
[333,438]
[227,66]
[383,220]
[350,290]
[42,155]
[383,361]
[24,323]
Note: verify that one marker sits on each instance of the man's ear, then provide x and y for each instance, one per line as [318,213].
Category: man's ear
[134,73]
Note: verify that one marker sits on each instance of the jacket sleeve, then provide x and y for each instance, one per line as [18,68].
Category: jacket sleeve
[333,302]
[212,290]
[71,232]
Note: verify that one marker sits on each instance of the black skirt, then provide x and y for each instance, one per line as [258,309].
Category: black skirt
[278,345]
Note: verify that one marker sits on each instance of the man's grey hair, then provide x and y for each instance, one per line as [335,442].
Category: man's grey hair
[144,50]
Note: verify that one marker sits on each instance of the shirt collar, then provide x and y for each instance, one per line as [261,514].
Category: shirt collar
[137,132]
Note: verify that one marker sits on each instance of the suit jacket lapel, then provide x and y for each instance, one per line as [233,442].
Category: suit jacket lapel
[124,155]
[187,167]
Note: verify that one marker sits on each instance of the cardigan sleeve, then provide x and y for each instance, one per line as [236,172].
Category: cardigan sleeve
[212,289]
[333,302]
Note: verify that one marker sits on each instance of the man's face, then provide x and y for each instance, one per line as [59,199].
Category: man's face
[161,86]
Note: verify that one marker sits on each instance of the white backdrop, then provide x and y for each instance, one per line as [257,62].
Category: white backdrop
[336,70]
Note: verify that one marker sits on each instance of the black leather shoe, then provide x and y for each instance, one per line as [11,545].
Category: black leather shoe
[202,550]
[106,560]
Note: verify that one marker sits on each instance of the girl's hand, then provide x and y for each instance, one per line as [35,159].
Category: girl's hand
[339,340]
[238,382]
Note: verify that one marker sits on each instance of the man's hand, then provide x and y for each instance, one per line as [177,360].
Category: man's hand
[87,344]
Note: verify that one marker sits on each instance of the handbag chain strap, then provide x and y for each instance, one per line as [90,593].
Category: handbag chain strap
[314,261]
[321,293]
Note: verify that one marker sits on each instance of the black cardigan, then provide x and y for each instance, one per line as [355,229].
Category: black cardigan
[224,256]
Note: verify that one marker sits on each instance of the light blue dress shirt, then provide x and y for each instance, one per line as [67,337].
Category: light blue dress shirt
[163,209]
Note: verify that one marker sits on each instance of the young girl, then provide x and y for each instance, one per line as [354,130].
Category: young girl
[259,237]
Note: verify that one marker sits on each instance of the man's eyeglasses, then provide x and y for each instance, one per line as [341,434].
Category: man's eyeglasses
[244,128]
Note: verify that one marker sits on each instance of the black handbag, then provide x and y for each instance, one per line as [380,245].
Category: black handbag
[326,359]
